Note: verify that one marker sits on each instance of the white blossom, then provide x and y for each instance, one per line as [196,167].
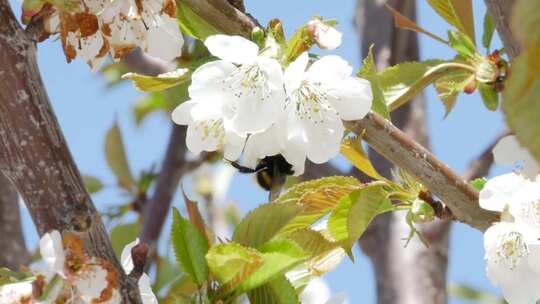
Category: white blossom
[509,151]
[318,292]
[326,36]
[145,287]
[16,292]
[52,253]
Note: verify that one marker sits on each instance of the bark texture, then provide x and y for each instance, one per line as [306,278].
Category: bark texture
[34,155]
[14,253]
[424,268]
[501,10]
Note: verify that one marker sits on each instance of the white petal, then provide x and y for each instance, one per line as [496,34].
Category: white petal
[525,205]
[509,151]
[181,115]
[208,79]
[329,70]
[262,144]
[352,98]
[339,298]
[500,191]
[91,283]
[145,288]
[204,136]
[295,72]
[234,49]
[125,257]
[316,292]
[52,251]
[326,36]
[165,41]
[234,144]
[15,292]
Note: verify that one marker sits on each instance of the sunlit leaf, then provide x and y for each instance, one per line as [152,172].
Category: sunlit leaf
[403,22]
[478,183]
[489,30]
[190,248]
[369,72]
[191,23]
[352,150]
[462,44]
[295,193]
[448,87]
[195,216]
[92,184]
[116,157]
[158,83]
[276,291]
[122,235]
[490,97]
[458,13]
[464,292]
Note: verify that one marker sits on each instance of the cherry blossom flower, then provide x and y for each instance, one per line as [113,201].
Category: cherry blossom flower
[326,36]
[509,151]
[318,99]
[20,292]
[318,292]
[145,286]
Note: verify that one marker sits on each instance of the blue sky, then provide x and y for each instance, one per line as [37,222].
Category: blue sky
[86,109]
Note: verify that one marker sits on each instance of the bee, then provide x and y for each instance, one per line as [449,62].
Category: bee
[270,171]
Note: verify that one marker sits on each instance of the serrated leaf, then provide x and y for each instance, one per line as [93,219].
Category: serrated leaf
[192,24]
[489,30]
[122,235]
[117,159]
[279,257]
[353,151]
[369,72]
[448,87]
[277,291]
[190,248]
[295,193]
[403,22]
[231,264]
[92,184]
[354,213]
[195,216]
[462,44]
[458,13]
[262,224]
[490,97]
[312,242]
[160,82]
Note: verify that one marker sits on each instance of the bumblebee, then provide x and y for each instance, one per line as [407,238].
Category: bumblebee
[271,170]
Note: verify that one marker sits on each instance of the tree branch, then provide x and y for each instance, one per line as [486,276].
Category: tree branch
[34,154]
[14,253]
[397,147]
[500,11]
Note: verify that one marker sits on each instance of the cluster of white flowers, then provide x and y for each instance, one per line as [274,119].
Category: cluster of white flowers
[512,245]
[95,28]
[69,276]
[247,102]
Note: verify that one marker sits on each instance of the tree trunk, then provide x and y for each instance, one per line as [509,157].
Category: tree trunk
[424,268]
[34,154]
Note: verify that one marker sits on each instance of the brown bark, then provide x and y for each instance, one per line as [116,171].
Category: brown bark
[424,268]
[501,10]
[34,154]
[14,253]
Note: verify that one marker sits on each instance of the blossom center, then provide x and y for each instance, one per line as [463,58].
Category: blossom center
[212,128]
[511,248]
[310,102]
[248,80]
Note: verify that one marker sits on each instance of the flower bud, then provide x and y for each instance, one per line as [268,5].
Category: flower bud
[326,36]
[421,212]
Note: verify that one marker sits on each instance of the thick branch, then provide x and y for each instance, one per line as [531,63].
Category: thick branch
[397,147]
[501,10]
[34,154]
[14,253]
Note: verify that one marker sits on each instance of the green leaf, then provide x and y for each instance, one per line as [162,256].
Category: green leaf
[354,213]
[92,184]
[490,97]
[463,292]
[122,235]
[191,23]
[369,72]
[166,273]
[158,83]
[478,183]
[295,193]
[458,13]
[403,22]
[448,87]
[278,257]
[190,248]
[263,223]
[277,291]
[312,242]
[116,158]
[231,263]
[489,29]
[462,44]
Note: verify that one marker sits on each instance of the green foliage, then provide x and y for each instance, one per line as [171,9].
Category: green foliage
[115,153]
[462,44]
[464,292]
[369,72]
[231,263]
[122,235]
[191,23]
[277,291]
[489,30]
[190,248]
[478,183]
[7,276]
[458,13]
[489,96]
[158,83]
[352,149]
[92,184]
[449,86]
